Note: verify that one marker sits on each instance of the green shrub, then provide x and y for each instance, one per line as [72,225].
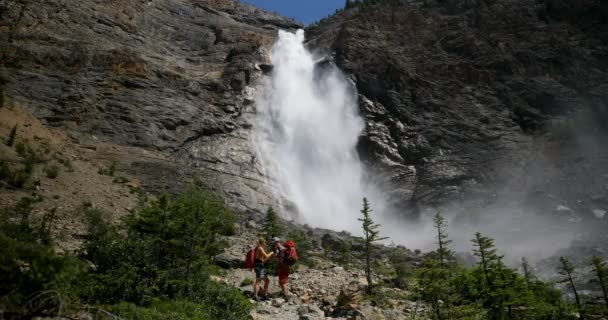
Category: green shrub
[20,149]
[182,310]
[120,180]
[51,171]
[163,250]
[11,136]
[34,281]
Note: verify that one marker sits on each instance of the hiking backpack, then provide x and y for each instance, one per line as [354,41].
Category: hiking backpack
[250,258]
[290,254]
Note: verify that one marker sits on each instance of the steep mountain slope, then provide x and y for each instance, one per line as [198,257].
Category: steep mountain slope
[498,102]
[165,81]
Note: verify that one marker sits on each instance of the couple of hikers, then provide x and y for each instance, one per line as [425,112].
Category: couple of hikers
[285,256]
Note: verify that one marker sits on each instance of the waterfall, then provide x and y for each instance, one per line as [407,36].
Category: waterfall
[307,129]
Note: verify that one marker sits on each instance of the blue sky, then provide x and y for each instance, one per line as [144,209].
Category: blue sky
[305,11]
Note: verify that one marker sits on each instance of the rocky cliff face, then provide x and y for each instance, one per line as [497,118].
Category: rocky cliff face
[466,104]
[476,104]
[165,82]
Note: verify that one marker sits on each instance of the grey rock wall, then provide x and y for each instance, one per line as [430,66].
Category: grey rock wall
[170,77]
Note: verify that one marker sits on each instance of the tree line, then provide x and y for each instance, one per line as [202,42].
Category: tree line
[490,289]
[155,264]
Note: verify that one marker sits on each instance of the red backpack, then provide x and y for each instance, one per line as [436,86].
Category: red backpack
[291,254]
[250,258]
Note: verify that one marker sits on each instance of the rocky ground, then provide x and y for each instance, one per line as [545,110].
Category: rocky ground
[325,290]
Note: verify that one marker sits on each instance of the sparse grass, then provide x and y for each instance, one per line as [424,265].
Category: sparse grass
[246,282]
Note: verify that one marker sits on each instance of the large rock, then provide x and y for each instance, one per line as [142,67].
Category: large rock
[229,260]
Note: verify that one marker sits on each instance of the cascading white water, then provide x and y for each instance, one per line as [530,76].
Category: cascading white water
[307,130]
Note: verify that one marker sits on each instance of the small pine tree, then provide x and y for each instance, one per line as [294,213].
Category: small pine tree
[525,266]
[11,136]
[443,250]
[567,269]
[601,271]
[488,258]
[370,235]
[272,226]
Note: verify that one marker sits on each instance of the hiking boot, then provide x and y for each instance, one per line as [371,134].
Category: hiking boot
[265,297]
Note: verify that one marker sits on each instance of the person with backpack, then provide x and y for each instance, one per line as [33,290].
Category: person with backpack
[286,256]
[256,259]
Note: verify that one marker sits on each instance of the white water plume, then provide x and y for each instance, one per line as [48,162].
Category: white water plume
[307,130]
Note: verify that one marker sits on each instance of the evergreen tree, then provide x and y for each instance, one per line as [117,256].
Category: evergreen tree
[601,271]
[525,266]
[488,258]
[432,286]
[567,269]
[443,250]
[492,279]
[11,136]
[272,226]
[370,235]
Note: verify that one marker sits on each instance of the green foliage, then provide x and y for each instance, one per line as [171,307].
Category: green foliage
[11,136]
[443,250]
[344,255]
[19,177]
[601,272]
[433,286]
[403,268]
[15,178]
[371,234]
[567,269]
[304,247]
[162,251]
[33,279]
[246,282]
[183,309]
[490,290]
[20,149]
[272,226]
[51,171]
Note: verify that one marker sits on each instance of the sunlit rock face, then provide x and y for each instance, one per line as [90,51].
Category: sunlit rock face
[469,103]
[488,112]
[173,78]
[495,114]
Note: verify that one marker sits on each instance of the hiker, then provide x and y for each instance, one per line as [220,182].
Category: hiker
[260,269]
[282,266]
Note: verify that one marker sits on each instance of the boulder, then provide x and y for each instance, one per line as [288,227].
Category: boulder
[228,260]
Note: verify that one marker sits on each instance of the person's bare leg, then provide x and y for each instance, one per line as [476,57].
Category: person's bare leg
[256,288]
[284,289]
[266,284]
